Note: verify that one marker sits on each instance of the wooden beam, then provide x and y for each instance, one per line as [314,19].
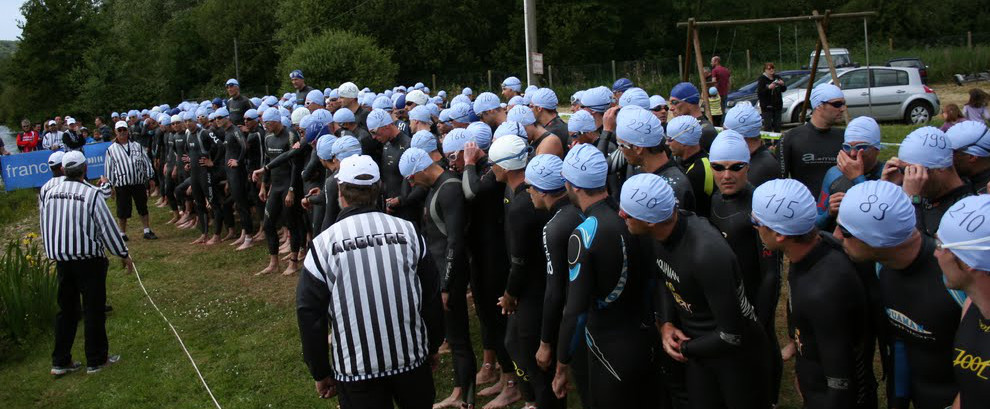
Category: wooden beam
[813,17]
[685,70]
[828,55]
[701,74]
[811,79]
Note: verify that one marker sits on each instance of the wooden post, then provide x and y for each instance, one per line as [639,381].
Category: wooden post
[701,74]
[550,75]
[435,89]
[828,54]
[489,80]
[614,78]
[969,40]
[811,79]
[749,71]
[687,51]
[680,65]
[890,43]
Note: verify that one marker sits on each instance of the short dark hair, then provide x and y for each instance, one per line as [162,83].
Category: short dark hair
[360,195]
[805,238]
[594,191]
[75,172]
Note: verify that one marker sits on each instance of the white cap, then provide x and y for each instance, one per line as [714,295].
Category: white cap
[51,122]
[358,170]
[73,159]
[418,97]
[56,158]
[348,90]
[120,124]
[70,121]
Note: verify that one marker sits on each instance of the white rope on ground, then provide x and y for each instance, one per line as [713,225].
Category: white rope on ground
[182,344]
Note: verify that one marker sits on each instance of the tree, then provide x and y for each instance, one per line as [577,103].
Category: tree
[335,57]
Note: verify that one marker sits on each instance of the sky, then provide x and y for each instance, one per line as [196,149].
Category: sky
[10,12]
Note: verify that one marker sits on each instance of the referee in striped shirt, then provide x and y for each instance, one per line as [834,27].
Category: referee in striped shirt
[76,226]
[370,279]
[128,170]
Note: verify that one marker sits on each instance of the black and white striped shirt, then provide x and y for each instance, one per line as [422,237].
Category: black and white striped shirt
[373,274]
[76,223]
[127,164]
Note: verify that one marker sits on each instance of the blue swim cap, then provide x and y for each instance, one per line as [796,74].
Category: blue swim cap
[521,114]
[877,212]
[481,133]
[581,122]
[424,140]
[544,98]
[414,160]
[684,129]
[926,146]
[510,128]
[745,119]
[635,97]
[863,129]
[647,197]
[971,137]
[638,126]
[585,167]
[786,206]
[687,92]
[324,147]
[729,146]
[965,231]
[345,147]
[543,173]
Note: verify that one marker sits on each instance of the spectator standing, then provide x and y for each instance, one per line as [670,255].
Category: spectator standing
[128,170]
[722,79]
[28,139]
[769,89]
[53,137]
[715,106]
[103,132]
[976,108]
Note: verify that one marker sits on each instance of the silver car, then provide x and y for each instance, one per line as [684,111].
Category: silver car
[884,93]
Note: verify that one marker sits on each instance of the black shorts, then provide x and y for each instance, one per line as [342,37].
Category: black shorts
[125,194]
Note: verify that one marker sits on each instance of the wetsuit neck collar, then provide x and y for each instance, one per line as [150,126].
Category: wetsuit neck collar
[562,202]
[593,206]
[817,129]
[696,157]
[953,195]
[351,211]
[742,193]
[813,256]
[926,250]
[669,164]
[680,227]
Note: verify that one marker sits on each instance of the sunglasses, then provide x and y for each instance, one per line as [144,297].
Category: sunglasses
[845,232]
[754,222]
[837,104]
[624,146]
[452,157]
[660,108]
[674,102]
[861,147]
[735,167]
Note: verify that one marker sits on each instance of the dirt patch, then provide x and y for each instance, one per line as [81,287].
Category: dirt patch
[950,93]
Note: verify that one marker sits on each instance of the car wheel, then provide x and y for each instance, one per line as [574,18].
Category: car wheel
[918,112]
[796,116]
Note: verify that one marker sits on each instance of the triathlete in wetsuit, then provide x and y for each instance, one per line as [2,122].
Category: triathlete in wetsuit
[444,223]
[808,151]
[876,223]
[198,150]
[638,155]
[857,163]
[684,137]
[605,293]
[236,149]
[279,179]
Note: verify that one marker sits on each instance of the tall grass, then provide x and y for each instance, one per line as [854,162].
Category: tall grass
[17,205]
[28,288]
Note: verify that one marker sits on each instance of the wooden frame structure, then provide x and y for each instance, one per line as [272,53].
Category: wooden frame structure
[821,24]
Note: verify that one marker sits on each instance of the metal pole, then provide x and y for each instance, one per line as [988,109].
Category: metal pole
[550,75]
[529,23]
[866,40]
[237,67]
[797,61]
[780,46]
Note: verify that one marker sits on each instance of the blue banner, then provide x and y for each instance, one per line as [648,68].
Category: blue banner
[29,170]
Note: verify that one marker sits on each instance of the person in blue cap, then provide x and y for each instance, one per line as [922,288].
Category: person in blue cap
[488,108]
[730,214]
[605,293]
[237,104]
[444,227]
[184,181]
[401,199]
[315,100]
[963,254]
[426,141]
[620,86]
[235,165]
[348,93]
[511,87]
[299,84]
[331,152]
[215,164]
[829,311]
[685,100]
[971,153]
[581,129]
[544,104]
[168,166]
[876,223]
[547,192]
[763,164]
[707,323]
[469,93]
[275,192]
[346,124]
[420,119]
[810,150]
[201,146]
[857,162]
[540,139]
[644,150]
[254,135]
[684,134]
[924,169]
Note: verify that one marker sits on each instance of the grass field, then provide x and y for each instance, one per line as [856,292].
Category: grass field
[240,329]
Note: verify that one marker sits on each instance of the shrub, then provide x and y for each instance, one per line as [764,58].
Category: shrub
[28,288]
[334,57]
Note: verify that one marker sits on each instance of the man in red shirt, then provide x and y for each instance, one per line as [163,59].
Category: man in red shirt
[722,79]
[28,139]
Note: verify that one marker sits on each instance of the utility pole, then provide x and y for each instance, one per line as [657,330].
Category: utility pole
[237,68]
[529,23]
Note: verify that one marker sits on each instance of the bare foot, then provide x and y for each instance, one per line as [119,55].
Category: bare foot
[213,240]
[248,243]
[200,240]
[444,348]
[510,394]
[239,240]
[788,351]
[493,390]
[268,270]
[260,235]
[452,401]
[230,236]
[292,268]
[486,375]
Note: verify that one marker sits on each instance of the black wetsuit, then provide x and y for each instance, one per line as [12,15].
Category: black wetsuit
[488,254]
[829,321]
[728,357]
[699,173]
[328,199]
[605,304]
[929,212]
[253,158]
[180,150]
[763,166]
[565,218]
[971,359]
[444,224]
[979,182]
[168,164]
[237,106]
[280,178]
[558,127]
[527,282]
[759,266]
[806,153]
[394,185]
[620,170]
[708,132]
[198,149]
[212,140]
[922,317]
[235,144]
[301,94]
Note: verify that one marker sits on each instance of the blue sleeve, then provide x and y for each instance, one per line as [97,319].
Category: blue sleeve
[823,219]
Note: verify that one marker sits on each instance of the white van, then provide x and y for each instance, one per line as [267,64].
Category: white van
[840,57]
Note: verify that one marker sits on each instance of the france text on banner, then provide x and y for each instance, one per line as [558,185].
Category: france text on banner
[29,170]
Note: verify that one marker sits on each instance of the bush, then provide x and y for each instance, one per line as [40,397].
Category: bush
[335,57]
[28,288]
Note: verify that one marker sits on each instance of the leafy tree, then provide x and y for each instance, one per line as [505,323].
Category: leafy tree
[335,57]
